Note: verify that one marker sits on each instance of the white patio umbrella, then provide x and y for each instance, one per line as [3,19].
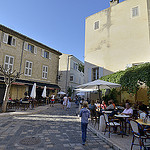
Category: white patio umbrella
[80,93]
[33,92]
[61,93]
[98,84]
[44,92]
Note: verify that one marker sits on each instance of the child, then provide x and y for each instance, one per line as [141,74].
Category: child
[84,114]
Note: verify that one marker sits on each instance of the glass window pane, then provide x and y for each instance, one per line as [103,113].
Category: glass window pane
[43,74]
[6,66]
[27,64]
[30,65]
[46,75]
[26,71]
[11,60]
[7,59]
[43,68]
[29,71]
[10,66]
[46,69]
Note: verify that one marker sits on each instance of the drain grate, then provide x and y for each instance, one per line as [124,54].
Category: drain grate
[30,141]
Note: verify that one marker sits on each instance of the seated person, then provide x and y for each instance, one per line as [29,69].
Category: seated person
[143,107]
[113,103]
[92,108]
[103,105]
[128,110]
[110,106]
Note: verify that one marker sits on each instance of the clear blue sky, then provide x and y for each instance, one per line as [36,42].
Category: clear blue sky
[59,24]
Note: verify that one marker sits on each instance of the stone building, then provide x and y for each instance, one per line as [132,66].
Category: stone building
[117,37]
[38,63]
[70,74]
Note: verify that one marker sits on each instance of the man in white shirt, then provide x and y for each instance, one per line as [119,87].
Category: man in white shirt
[128,110]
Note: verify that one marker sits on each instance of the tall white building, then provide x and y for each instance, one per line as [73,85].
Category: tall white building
[70,74]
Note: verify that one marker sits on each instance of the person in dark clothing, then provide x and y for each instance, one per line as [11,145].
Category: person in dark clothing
[143,107]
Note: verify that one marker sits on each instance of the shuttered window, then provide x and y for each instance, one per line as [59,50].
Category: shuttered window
[29,47]
[8,63]
[44,72]
[28,68]
[135,11]
[96,25]
[45,54]
[8,39]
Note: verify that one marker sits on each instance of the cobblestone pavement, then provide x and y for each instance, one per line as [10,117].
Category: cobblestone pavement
[51,129]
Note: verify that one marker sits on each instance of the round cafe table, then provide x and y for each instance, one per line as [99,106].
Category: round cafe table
[140,121]
[124,117]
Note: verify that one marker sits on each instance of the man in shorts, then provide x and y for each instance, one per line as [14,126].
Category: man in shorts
[52,100]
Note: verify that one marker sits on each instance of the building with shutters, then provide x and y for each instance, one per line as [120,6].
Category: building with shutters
[117,37]
[38,63]
[70,74]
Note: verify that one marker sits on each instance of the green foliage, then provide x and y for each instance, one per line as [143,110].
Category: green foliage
[131,78]
[81,67]
[112,95]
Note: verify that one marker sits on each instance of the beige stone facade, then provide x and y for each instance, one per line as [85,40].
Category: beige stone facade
[38,62]
[117,37]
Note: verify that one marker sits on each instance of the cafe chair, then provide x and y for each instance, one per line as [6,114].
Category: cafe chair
[111,123]
[139,133]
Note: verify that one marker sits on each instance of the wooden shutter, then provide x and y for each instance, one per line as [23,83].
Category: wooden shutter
[13,42]
[42,52]
[49,55]
[35,50]
[5,38]
[25,46]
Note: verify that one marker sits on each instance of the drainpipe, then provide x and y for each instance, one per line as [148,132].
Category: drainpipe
[22,54]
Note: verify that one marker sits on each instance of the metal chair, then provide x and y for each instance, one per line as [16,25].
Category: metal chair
[139,133]
[111,123]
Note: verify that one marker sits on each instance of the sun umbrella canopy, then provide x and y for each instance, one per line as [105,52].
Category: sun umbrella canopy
[44,92]
[98,84]
[61,93]
[80,93]
[33,92]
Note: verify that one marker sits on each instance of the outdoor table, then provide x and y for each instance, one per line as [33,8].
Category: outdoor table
[140,121]
[122,119]
[107,112]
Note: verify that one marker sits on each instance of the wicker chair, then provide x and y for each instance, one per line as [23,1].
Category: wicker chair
[111,123]
[139,133]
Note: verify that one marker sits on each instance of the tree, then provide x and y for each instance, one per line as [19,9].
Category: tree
[9,78]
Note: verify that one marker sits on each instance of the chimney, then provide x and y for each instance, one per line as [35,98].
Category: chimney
[113,2]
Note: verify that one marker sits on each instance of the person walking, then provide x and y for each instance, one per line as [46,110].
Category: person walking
[64,101]
[52,100]
[68,102]
[84,114]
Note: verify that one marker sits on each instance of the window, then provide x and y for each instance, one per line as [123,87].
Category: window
[44,72]
[96,25]
[45,54]
[95,73]
[135,11]
[29,47]
[71,78]
[10,40]
[75,66]
[28,68]
[9,61]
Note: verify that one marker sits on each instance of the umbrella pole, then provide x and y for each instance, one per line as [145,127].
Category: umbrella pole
[99,93]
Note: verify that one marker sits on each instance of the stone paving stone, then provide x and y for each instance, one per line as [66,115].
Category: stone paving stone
[54,135]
